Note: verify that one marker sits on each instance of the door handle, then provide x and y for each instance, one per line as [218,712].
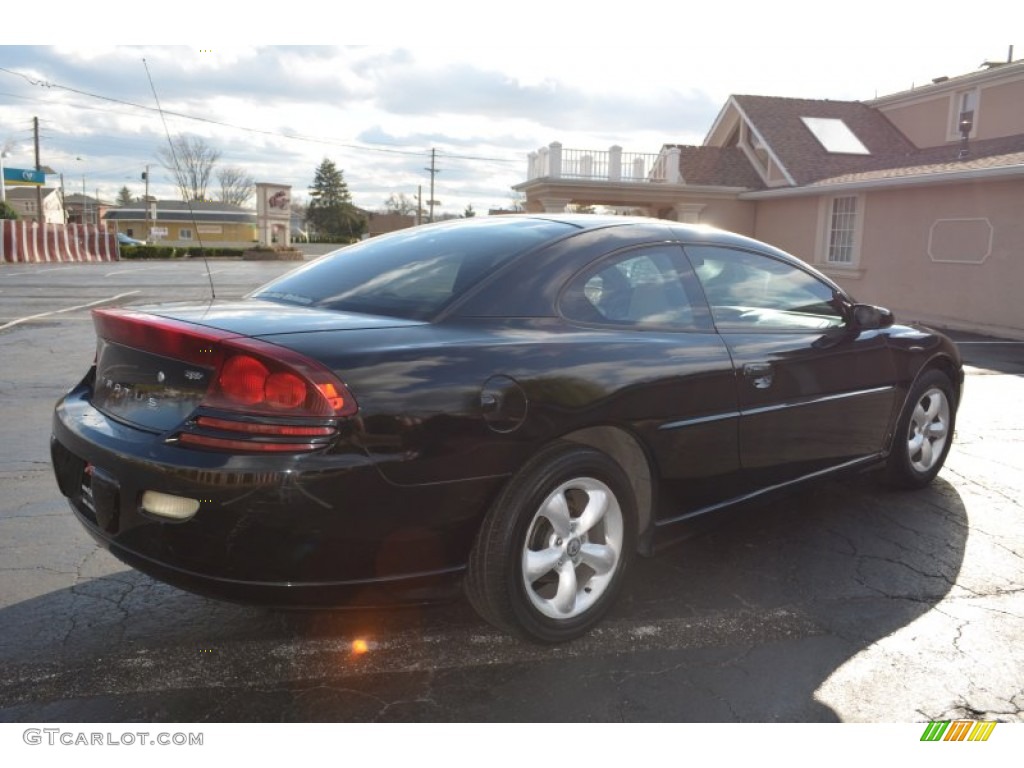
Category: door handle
[760,374]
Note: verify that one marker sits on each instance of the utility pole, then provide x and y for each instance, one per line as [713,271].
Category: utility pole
[39,167]
[145,202]
[433,172]
[419,205]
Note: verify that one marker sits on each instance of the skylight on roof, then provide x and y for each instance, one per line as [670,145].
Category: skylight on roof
[835,135]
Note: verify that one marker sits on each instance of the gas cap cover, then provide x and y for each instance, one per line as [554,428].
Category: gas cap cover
[503,404]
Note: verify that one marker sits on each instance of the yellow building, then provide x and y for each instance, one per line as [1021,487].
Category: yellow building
[174,223]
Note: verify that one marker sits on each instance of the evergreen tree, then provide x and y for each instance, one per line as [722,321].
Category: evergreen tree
[331,210]
[124,197]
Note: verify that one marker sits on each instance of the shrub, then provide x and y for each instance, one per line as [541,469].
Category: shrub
[7,212]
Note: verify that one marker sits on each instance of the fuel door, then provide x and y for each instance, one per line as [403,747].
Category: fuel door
[503,404]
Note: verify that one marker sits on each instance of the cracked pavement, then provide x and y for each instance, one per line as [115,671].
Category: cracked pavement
[845,602]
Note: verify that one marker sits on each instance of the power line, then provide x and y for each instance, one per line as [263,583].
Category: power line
[135,108]
[211,121]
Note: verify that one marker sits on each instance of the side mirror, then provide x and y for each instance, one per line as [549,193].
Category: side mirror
[865,317]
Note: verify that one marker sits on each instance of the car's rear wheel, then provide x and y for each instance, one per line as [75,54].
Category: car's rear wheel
[553,551]
[924,432]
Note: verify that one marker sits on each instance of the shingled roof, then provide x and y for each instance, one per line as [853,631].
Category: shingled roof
[717,166]
[1004,152]
[778,121]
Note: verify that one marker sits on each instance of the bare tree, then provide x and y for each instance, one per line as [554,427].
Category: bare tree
[299,211]
[400,203]
[191,160]
[580,208]
[518,201]
[236,186]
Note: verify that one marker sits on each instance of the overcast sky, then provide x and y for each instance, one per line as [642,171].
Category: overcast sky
[378,110]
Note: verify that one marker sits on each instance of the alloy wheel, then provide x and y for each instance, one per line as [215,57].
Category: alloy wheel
[573,548]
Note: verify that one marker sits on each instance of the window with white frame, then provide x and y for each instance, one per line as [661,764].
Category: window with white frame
[184,234]
[842,229]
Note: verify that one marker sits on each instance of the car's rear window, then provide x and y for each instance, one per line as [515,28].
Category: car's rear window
[413,273]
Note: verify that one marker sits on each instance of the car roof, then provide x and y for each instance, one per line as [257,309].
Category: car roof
[683,232]
[539,273]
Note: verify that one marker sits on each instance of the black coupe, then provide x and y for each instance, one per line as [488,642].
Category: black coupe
[519,404]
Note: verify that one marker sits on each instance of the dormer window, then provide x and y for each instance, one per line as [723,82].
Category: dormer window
[835,136]
[758,151]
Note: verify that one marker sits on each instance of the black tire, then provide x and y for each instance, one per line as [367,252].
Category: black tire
[578,561]
[924,432]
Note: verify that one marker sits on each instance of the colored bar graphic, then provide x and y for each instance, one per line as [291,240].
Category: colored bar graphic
[935,730]
[982,731]
[958,730]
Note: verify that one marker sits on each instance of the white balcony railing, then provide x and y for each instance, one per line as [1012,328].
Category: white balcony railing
[556,162]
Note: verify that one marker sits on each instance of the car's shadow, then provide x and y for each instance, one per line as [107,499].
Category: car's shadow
[741,623]
[990,354]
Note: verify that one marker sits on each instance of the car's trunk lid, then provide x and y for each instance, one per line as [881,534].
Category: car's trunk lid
[155,365]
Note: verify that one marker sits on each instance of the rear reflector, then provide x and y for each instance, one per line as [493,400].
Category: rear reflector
[255,436]
[245,445]
[171,507]
[264,428]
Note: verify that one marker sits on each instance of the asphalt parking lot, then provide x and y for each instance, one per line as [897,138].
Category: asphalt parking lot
[843,603]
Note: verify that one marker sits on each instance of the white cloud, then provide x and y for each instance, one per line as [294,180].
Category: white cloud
[637,80]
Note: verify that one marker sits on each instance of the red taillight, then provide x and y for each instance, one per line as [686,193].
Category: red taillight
[257,377]
[252,379]
[243,379]
[285,390]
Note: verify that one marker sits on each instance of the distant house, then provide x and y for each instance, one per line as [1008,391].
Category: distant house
[382,223]
[171,222]
[913,200]
[84,209]
[26,202]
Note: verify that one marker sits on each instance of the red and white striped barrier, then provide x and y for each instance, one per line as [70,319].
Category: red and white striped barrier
[22,242]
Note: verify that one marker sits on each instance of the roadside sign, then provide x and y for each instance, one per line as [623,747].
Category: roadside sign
[14,177]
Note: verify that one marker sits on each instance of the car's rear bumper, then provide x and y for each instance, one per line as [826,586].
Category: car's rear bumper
[315,529]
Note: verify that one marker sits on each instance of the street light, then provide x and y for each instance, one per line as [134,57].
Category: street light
[3,181]
[84,212]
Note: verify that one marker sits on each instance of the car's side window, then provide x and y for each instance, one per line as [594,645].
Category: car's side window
[639,288]
[748,290]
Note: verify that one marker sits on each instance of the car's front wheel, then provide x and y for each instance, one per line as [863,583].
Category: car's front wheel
[553,551]
[924,432]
